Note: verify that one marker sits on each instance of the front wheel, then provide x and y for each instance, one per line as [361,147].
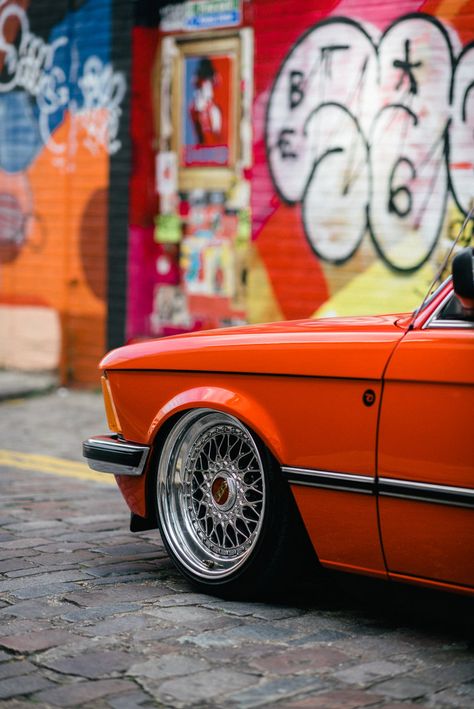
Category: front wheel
[226,515]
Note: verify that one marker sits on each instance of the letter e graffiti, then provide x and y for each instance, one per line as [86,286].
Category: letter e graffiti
[284,144]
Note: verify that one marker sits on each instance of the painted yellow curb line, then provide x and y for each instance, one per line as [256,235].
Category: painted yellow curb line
[54,466]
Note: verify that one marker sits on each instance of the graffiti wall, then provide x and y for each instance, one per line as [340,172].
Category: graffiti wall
[351,172]
[60,110]
[364,149]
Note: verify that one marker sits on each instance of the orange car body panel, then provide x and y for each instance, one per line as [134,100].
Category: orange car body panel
[351,348]
[426,437]
[301,387]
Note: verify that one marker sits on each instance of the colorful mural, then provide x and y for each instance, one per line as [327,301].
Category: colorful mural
[353,173]
[363,148]
[60,109]
[311,161]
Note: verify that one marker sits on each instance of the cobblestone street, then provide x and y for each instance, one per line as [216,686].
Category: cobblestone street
[92,615]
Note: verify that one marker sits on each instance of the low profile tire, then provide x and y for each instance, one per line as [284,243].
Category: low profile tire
[226,515]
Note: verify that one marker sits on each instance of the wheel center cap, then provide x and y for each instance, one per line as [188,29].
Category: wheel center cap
[223,492]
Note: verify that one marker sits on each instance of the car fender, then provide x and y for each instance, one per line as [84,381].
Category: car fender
[231,402]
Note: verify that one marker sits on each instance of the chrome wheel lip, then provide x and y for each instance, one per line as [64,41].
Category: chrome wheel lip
[180,525]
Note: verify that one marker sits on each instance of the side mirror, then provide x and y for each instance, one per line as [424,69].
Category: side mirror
[463,278]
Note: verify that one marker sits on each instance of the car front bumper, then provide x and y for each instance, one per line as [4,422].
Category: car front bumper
[111,454]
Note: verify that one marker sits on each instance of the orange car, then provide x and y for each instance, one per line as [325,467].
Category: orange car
[354,434]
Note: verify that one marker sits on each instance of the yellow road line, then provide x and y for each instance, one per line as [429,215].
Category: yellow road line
[54,466]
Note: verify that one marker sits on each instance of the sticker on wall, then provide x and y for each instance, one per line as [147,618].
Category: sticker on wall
[211,14]
[170,311]
[167,229]
[238,196]
[208,267]
[244,227]
[166,173]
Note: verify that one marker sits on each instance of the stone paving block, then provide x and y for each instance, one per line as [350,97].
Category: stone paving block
[31,592]
[444,675]
[15,668]
[125,569]
[241,654]
[128,548]
[6,554]
[22,626]
[370,672]
[93,665]
[87,520]
[81,692]
[33,609]
[22,704]
[325,635]
[29,683]
[15,564]
[17,544]
[165,666]
[154,634]
[118,625]
[257,610]
[298,660]
[60,559]
[34,526]
[129,700]
[460,696]
[33,570]
[186,617]
[402,688]
[118,594]
[79,615]
[382,647]
[134,578]
[36,641]
[182,599]
[336,699]
[38,580]
[401,705]
[53,547]
[271,691]
[240,634]
[204,687]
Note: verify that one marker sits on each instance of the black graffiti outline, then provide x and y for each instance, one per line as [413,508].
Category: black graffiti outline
[317,163]
[445,138]
[469,47]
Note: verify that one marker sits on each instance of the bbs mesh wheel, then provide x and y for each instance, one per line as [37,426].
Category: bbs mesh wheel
[223,506]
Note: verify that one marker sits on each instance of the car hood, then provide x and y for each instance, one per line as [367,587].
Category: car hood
[335,347]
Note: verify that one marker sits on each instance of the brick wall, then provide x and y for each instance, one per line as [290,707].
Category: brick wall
[63,181]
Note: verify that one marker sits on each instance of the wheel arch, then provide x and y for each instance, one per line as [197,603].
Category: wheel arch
[242,406]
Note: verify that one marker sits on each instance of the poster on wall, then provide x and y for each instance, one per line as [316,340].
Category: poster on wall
[206,111]
[206,106]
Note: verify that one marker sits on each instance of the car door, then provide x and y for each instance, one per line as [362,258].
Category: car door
[426,451]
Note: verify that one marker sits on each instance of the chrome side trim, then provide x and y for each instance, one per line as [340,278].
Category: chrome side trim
[385,487]
[452,324]
[426,492]
[330,480]
[110,454]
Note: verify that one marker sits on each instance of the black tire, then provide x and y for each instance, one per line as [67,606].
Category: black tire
[226,515]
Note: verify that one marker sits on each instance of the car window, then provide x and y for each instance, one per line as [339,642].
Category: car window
[451,314]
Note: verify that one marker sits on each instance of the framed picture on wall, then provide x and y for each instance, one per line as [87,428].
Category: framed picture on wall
[206,107]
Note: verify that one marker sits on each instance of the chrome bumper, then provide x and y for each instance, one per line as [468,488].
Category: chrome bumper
[110,454]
